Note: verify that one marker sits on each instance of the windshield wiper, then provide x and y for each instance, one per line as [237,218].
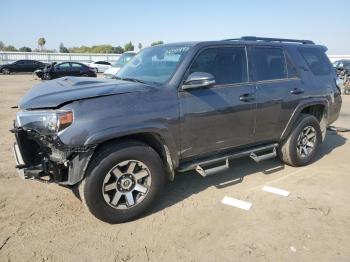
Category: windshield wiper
[130,79]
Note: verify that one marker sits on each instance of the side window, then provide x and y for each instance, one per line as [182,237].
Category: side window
[268,63]
[292,71]
[74,65]
[64,66]
[227,64]
[316,60]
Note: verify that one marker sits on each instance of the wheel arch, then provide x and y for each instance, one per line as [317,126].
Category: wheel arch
[315,107]
[157,141]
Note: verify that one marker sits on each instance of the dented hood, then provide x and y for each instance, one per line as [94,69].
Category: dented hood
[53,93]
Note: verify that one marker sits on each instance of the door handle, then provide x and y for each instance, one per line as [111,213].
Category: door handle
[297,91]
[247,97]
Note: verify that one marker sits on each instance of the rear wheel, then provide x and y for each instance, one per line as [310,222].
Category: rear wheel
[122,182]
[85,75]
[302,143]
[6,71]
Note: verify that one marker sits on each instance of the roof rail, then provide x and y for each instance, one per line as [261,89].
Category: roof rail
[267,39]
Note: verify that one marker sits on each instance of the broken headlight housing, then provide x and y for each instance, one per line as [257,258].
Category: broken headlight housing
[45,122]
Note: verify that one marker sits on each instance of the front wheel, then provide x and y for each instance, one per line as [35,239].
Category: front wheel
[122,182]
[6,71]
[302,143]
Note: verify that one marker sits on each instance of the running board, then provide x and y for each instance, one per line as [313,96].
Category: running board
[206,167]
[260,158]
[211,170]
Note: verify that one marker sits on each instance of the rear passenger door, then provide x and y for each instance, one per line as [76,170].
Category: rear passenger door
[222,116]
[278,90]
[76,69]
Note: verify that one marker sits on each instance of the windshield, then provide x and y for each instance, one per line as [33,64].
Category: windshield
[154,64]
[123,59]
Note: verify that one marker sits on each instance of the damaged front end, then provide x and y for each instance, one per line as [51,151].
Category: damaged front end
[39,152]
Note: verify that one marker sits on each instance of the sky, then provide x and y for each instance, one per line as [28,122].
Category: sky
[85,22]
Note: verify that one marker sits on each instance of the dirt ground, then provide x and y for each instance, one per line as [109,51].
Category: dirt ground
[40,222]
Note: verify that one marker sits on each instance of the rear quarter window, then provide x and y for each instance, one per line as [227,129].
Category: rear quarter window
[317,61]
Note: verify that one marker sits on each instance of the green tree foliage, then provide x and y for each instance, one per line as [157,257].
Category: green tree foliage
[118,50]
[10,48]
[25,49]
[2,45]
[63,49]
[129,47]
[41,42]
[160,42]
[94,49]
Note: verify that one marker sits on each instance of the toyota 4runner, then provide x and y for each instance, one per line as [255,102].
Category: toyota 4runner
[176,108]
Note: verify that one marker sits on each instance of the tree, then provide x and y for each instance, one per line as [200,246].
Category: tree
[2,45]
[63,49]
[129,47]
[118,50]
[41,42]
[160,42]
[10,48]
[139,46]
[25,49]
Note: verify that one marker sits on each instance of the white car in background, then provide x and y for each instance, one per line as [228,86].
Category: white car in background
[100,66]
[122,60]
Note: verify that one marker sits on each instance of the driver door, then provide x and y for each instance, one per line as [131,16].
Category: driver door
[221,116]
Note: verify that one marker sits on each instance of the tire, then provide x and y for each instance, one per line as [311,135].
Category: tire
[85,75]
[111,168]
[6,71]
[296,150]
[46,76]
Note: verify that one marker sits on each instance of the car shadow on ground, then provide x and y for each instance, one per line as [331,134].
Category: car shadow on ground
[191,183]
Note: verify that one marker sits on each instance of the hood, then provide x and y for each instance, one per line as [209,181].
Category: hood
[53,93]
[112,70]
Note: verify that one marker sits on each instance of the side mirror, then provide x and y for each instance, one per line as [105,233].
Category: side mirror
[197,80]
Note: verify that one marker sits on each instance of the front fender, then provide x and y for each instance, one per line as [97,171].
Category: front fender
[117,132]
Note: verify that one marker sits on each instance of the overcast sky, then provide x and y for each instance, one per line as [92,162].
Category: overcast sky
[84,22]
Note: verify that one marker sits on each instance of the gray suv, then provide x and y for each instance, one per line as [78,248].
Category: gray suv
[174,108]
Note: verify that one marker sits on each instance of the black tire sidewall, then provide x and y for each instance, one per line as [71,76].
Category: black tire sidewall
[304,122]
[92,189]
[4,69]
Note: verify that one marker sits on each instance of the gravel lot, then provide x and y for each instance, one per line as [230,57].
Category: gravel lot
[40,222]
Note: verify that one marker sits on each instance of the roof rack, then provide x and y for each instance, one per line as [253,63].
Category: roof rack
[266,39]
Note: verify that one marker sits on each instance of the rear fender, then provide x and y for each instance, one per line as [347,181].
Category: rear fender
[304,104]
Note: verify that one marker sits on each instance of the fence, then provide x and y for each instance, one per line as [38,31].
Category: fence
[10,57]
[334,58]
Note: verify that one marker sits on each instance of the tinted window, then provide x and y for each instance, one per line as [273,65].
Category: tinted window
[268,63]
[316,60]
[63,66]
[227,64]
[292,71]
[76,65]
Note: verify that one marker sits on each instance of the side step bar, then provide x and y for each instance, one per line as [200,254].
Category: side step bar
[208,167]
[257,158]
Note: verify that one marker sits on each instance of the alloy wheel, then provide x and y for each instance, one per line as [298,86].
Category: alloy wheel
[306,141]
[126,184]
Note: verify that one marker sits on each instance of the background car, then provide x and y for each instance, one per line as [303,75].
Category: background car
[100,66]
[123,59]
[340,63]
[22,66]
[65,69]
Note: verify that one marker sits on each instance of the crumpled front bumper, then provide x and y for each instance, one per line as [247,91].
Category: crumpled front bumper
[47,159]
